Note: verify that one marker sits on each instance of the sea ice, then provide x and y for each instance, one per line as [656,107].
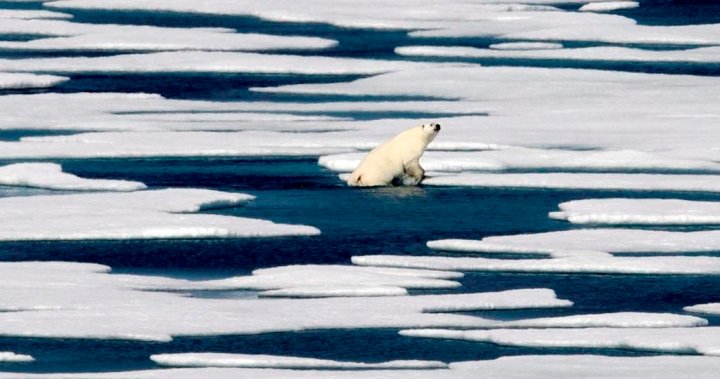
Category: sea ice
[280,362]
[667,340]
[10,357]
[560,243]
[22,81]
[534,159]
[599,53]
[206,62]
[58,35]
[639,211]
[322,281]
[51,176]
[31,14]
[524,46]
[584,181]
[513,367]
[77,300]
[609,6]
[133,215]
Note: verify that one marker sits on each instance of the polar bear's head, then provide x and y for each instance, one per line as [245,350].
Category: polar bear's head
[429,131]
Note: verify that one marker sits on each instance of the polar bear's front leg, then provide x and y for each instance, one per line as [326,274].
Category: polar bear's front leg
[413,173]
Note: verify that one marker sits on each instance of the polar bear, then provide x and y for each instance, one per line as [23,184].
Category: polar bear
[396,160]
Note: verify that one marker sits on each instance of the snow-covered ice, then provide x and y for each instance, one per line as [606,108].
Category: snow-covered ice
[639,211]
[525,46]
[584,181]
[206,62]
[133,215]
[702,340]
[600,53]
[31,14]
[102,305]
[63,35]
[10,357]
[572,251]
[608,6]
[565,242]
[535,366]
[273,361]
[534,159]
[323,281]
[51,176]
[23,81]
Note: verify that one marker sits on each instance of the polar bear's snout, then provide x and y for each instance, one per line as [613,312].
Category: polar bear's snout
[436,127]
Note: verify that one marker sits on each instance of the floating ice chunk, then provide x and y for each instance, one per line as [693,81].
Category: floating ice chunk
[101,305]
[207,62]
[142,112]
[537,107]
[612,182]
[10,357]
[273,361]
[639,211]
[521,158]
[601,53]
[31,14]
[667,340]
[577,262]
[134,215]
[323,281]
[526,46]
[606,240]
[609,6]
[23,81]
[99,37]
[51,176]
[709,308]
[535,366]
[611,320]
[403,14]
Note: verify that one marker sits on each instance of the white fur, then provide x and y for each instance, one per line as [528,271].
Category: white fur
[398,158]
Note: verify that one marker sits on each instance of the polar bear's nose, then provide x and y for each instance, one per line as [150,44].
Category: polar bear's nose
[437,127]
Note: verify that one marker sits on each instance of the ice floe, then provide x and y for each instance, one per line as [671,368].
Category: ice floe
[145,112]
[573,251]
[403,14]
[609,6]
[133,215]
[22,81]
[323,281]
[585,181]
[51,176]
[273,361]
[102,305]
[533,159]
[513,367]
[565,242]
[639,211]
[10,357]
[525,46]
[602,53]
[578,262]
[31,14]
[667,340]
[709,308]
[667,115]
[206,62]
[64,35]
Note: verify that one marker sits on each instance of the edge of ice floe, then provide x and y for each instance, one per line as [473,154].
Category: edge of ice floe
[284,362]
